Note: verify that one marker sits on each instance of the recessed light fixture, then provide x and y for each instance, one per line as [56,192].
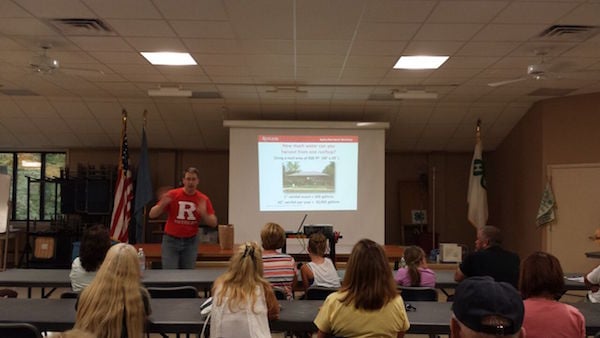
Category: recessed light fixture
[169,58]
[420,62]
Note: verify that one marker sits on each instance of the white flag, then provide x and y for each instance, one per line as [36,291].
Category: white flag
[477,194]
[546,211]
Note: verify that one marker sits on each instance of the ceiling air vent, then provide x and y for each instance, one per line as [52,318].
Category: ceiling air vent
[82,27]
[567,33]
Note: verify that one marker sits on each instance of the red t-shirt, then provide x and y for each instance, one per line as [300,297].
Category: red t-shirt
[184,217]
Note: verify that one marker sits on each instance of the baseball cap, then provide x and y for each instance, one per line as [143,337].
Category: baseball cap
[477,298]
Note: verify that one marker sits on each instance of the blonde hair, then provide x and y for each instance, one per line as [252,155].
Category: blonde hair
[74,333]
[114,294]
[368,282]
[244,274]
[272,236]
[413,255]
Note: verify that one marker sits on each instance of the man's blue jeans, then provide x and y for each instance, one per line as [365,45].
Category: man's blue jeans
[179,253]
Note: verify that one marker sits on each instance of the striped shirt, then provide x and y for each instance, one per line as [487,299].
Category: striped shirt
[280,270]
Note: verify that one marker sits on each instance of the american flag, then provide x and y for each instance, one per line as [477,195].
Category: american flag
[119,226]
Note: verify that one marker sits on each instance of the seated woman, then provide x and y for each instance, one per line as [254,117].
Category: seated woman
[416,272]
[115,305]
[279,268]
[542,284]
[244,301]
[92,250]
[353,312]
[320,271]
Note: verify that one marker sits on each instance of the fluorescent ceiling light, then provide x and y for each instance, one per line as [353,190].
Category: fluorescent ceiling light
[415,95]
[170,92]
[420,62]
[169,58]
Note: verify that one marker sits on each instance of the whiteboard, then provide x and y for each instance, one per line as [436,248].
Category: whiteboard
[577,191]
[4,197]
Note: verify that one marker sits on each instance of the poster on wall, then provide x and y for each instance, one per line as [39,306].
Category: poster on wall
[4,196]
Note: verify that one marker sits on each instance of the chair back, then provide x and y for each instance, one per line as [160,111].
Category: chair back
[8,293]
[418,293]
[19,330]
[69,295]
[173,292]
[319,292]
[280,293]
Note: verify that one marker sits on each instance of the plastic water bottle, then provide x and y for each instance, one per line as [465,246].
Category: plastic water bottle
[402,262]
[142,259]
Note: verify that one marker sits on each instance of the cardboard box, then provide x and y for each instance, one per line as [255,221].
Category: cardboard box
[44,247]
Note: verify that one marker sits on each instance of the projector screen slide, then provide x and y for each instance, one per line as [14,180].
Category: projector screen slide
[307,172]
[332,172]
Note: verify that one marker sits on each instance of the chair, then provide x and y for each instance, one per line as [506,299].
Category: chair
[8,293]
[280,293]
[172,292]
[69,295]
[418,293]
[318,292]
[19,330]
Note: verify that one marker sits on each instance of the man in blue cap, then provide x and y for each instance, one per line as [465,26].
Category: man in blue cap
[484,308]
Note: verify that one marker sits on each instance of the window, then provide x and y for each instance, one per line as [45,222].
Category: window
[44,193]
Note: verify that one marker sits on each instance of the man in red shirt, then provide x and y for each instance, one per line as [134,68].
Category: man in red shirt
[187,208]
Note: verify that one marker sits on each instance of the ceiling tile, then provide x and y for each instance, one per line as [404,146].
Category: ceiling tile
[130,9]
[523,12]
[25,26]
[213,46]
[465,11]
[398,11]
[142,28]
[193,9]
[57,9]
[452,32]
[387,31]
[101,43]
[203,29]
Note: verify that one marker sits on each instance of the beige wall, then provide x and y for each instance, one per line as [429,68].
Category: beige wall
[167,169]
[555,131]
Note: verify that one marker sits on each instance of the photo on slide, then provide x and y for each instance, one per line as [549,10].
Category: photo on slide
[307,172]
[308,176]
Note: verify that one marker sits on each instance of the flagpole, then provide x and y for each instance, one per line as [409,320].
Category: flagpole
[433,174]
[143,187]
[144,218]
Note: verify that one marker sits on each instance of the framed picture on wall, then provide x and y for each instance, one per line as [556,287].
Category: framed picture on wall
[419,216]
